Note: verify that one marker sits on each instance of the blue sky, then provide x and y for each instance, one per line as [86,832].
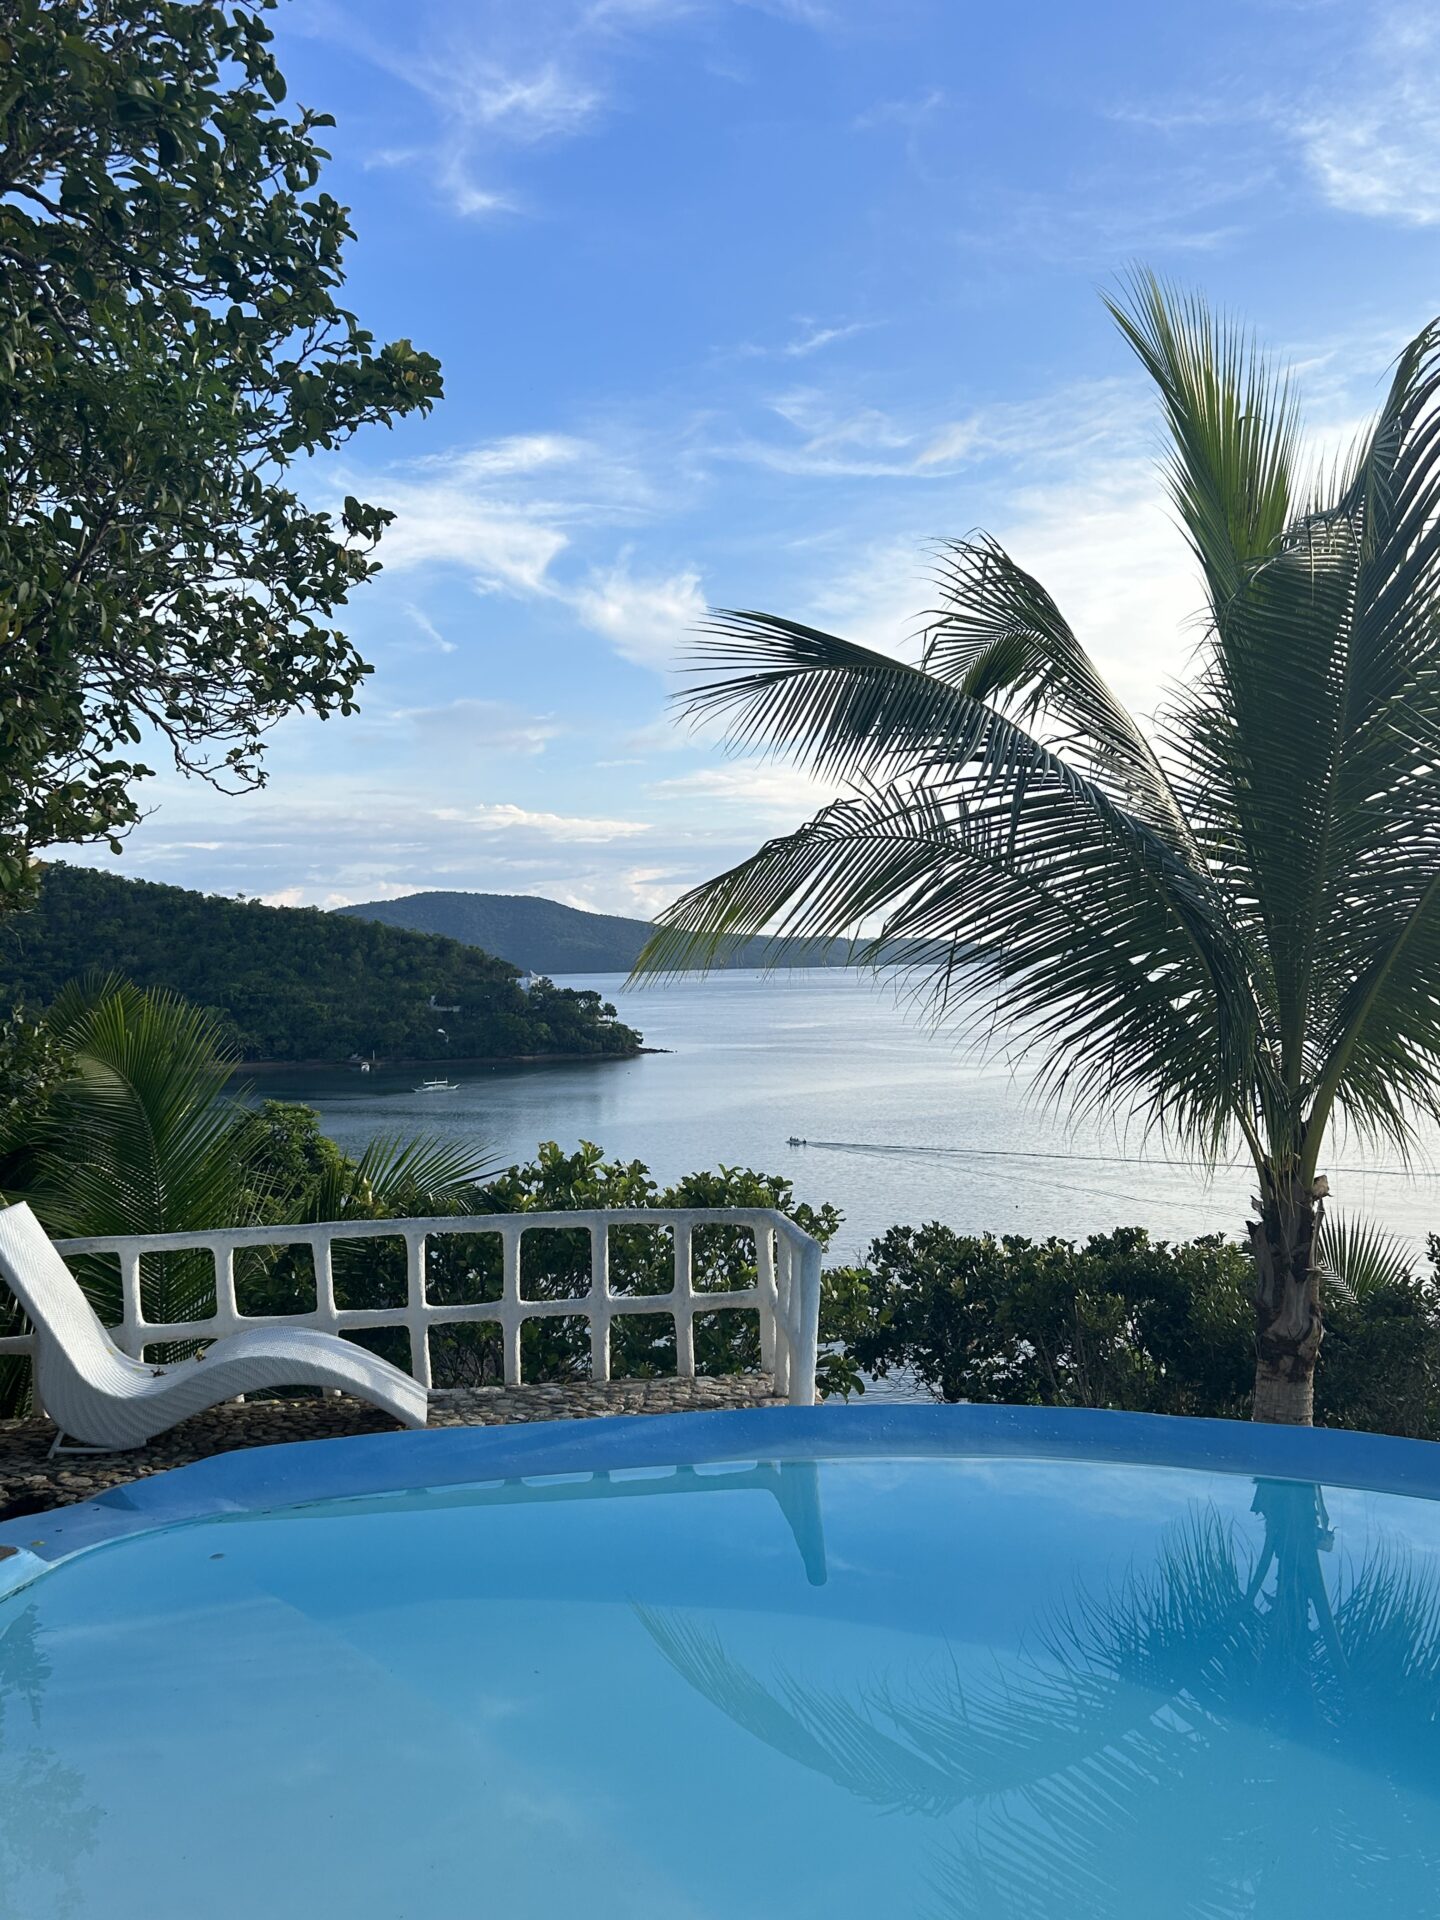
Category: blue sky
[745,302]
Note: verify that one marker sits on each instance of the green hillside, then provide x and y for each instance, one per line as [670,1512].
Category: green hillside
[548,938]
[295,983]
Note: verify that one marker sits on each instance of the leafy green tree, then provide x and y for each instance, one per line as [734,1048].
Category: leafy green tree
[1231,926]
[170,343]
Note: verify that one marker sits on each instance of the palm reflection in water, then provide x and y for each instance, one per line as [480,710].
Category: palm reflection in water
[1221,1734]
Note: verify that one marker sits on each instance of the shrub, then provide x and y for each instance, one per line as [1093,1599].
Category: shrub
[1119,1321]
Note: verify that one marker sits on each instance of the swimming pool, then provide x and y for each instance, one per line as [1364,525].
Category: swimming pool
[802,1662]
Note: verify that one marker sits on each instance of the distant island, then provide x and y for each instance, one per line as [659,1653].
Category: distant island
[295,984]
[542,936]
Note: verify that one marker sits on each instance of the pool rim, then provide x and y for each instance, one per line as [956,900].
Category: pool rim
[300,1473]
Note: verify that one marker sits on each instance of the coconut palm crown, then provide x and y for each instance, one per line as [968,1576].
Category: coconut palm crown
[1229,922]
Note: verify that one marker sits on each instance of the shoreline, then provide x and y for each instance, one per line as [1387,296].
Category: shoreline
[446,1060]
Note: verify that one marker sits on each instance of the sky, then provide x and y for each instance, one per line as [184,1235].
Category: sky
[750,303]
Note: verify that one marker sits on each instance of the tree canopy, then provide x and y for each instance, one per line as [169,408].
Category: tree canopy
[171,342]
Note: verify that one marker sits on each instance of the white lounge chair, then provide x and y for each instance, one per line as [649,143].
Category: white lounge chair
[101,1397]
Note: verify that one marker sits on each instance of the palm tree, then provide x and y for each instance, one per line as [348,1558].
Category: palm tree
[1228,924]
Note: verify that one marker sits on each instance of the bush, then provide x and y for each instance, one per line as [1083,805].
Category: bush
[1119,1321]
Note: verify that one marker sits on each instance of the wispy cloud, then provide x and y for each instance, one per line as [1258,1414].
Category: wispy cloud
[777,793]
[506,514]
[834,435]
[1373,146]
[434,641]
[646,619]
[471,726]
[1362,115]
[813,337]
[502,817]
[1106,217]
[495,80]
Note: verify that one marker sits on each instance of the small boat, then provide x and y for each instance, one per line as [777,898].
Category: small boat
[438,1086]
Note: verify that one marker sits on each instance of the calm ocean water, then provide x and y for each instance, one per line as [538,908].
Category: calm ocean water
[924,1130]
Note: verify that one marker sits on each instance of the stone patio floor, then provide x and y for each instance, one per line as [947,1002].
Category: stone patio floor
[31,1483]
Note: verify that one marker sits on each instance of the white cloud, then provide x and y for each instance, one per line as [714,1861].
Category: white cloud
[518,453]
[1366,130]
[647,621]
[1374,145]
[503,817]
[300,896]
[834,436]
[1109,553]
[495,81]
[768,788]
[503,546]
[437,643]
[481,94]
[812,338]
[469,725]
[506,513]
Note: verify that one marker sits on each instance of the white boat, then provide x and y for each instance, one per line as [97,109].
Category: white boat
[438,1086]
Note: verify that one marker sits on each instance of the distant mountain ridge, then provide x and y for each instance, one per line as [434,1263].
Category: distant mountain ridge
[545,937]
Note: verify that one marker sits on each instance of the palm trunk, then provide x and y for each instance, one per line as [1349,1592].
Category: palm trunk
[1288,1327]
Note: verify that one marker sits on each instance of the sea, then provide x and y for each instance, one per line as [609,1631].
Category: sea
[833,1080]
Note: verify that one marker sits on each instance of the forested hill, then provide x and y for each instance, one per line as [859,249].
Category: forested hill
[549,938]
[296,983]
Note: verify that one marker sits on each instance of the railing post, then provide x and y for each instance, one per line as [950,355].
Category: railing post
[765,1288]
[786,1263]
[132,1317]
[599,1299]
[510,1301]
[227,1308]
[416,1305]
[323,1260]
[806,1321]
[684,1299]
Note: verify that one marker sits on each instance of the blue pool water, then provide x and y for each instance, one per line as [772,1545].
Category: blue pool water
[943,1662]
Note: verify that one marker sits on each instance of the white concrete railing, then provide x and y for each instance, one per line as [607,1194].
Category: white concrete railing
[786,1294]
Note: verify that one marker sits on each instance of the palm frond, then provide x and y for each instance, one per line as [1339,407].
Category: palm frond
[1233,428]
[403,1178]
[1020,889]
[1358,1257]
[144,1138]
[999,637]
[839,708]
[1261,879]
